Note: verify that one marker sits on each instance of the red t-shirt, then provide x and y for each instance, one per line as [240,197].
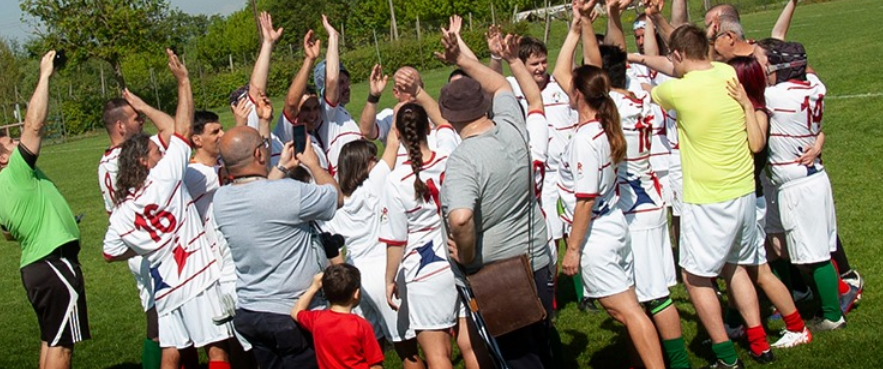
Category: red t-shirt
[341,340]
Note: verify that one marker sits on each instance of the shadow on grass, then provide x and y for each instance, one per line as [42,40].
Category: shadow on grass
[125,366]
[569,353]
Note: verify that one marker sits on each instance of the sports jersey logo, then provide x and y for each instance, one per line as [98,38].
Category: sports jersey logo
[556,96]
[579,169]
[384,215]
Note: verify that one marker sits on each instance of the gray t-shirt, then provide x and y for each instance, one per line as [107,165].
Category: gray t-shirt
[490,174]
[266,224]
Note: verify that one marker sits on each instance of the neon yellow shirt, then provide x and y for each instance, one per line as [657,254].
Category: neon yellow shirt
[716,161]
[33,210]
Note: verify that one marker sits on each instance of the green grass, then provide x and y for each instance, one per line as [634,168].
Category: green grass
[840,38]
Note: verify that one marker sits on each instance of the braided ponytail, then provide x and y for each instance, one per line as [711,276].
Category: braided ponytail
[412,123]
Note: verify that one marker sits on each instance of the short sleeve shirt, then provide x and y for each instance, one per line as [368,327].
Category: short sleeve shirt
[342,341]
[33,210]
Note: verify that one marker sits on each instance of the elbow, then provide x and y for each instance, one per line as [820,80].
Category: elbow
[459,220]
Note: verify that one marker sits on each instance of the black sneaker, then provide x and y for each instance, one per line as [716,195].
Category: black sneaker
[765,357]
[721,365]
[587,304]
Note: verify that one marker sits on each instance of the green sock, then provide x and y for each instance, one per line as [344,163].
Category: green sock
[725,352]
[782,269]
[676,350]
[151,354]
[825,279]
[733,318]
[578,285]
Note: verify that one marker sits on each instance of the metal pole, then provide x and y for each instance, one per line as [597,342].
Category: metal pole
[395,28]
[103,84]
[377,48]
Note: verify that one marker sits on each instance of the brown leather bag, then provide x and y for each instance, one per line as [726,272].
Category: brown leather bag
[506,295]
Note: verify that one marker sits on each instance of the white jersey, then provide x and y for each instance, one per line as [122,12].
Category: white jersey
[415,224]
[202,181]
[441,139]
[588,172]
[560,119]
[284,133]
[639,188]
[358,221]
[160,222]
[337,129]
[383,121]
[636,76]
[796,119]
[108,168]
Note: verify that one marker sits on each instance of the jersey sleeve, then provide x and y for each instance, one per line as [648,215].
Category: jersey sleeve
[538,133]
[446,139]
[393,219]
[371,349]
[383,122]
[307,318]
[283,130]
[173,164]
[113,243]
[107,184]
[588,170]
[252,120]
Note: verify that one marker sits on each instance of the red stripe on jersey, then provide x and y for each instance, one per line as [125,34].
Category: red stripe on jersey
[413,210]
[127,233]
[184,140]
[609,163]
[175,191]
[598,135]
[564,189]
[660,153]
[642,157]
[341,135]
[161,142]
[110,150]
[784,110]
[793,136]
[643,210]
[433,273]
[424,229]
[537,111]
[196,238]
[197,199]
[784,163]
[159,297]
[393,242]
[581,195]
[565,128]
[426,166]
[444,127]
[556,104]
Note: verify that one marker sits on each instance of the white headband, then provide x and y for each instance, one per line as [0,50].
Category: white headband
[639,25]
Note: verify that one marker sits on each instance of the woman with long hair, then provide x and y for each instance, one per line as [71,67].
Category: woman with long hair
[749,92]
[417,268]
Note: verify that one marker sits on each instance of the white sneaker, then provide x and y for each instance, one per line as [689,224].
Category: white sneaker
[822,324]
[791,339]
[735,333]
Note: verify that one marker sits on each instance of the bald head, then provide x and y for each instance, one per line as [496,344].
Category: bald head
[721,10]
[238,150]
[403,96]
[409,69]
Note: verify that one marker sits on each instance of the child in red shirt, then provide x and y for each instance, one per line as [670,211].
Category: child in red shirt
[342,339]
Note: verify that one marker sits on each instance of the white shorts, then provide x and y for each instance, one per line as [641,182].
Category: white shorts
[675,191]
[651,249]
[431,303]
[606,261]
[806,206]
[756,255]
[554,224]
[716,234]
[374,308]
[191,324]
[773,222]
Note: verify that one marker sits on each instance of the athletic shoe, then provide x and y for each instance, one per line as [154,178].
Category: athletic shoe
[821,324]
[775,314]
[802,296]
[735,333]
[848,299]
[854,279]
[765,357]
[588,304]
[791,339]
[721,365]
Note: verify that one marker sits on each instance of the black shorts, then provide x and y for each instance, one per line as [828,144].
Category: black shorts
[57,292]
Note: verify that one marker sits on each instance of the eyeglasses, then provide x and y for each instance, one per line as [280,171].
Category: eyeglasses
[265,144]
[715,37]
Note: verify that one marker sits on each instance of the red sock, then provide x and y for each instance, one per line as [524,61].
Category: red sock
[794,322]
[757,340]
[841,285]
[218,365]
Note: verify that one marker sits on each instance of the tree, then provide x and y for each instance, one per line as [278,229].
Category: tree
[103,29]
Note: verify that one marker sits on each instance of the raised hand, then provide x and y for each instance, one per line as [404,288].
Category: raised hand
[452,48]
[267,33]
[653,7]
[585,8]
[406,81]
[47,67]
[737,92]
[135,101]
[240,111]
[509,47]
[178,69]
[264,107]
[455,23]
[492,36]
[312,45]
[377,81]
[328,27]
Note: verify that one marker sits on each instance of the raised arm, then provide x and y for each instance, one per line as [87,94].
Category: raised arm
[261,69]
[299,83]
[509,51]
[303,303]
[755,122]
[455,23]
[184,112]
[679,14]
[653,9]
[493,42]
[591,53]
[368,120]
[563,72]
[614,36]
[780,30]
[651,47]
[658,63]
[165,124]
[332,64]
[264,109]
[490,81]
[407,81]
[391,149]
[38,107]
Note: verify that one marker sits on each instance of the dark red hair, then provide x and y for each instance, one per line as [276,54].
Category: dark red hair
[752,77]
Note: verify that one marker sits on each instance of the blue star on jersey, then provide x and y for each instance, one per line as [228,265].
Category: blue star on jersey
[158,282]
[427,256]
[641,196]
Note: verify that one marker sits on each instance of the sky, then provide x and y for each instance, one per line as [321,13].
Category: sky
[11,26]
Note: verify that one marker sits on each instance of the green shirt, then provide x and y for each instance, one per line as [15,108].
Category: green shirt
[715,158]
[33,210]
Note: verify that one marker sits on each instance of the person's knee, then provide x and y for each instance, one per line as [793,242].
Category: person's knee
[657,306]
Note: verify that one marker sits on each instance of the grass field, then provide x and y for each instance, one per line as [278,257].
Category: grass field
[840,39]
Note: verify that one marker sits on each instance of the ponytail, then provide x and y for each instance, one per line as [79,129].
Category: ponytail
[594,86]
[412,123]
